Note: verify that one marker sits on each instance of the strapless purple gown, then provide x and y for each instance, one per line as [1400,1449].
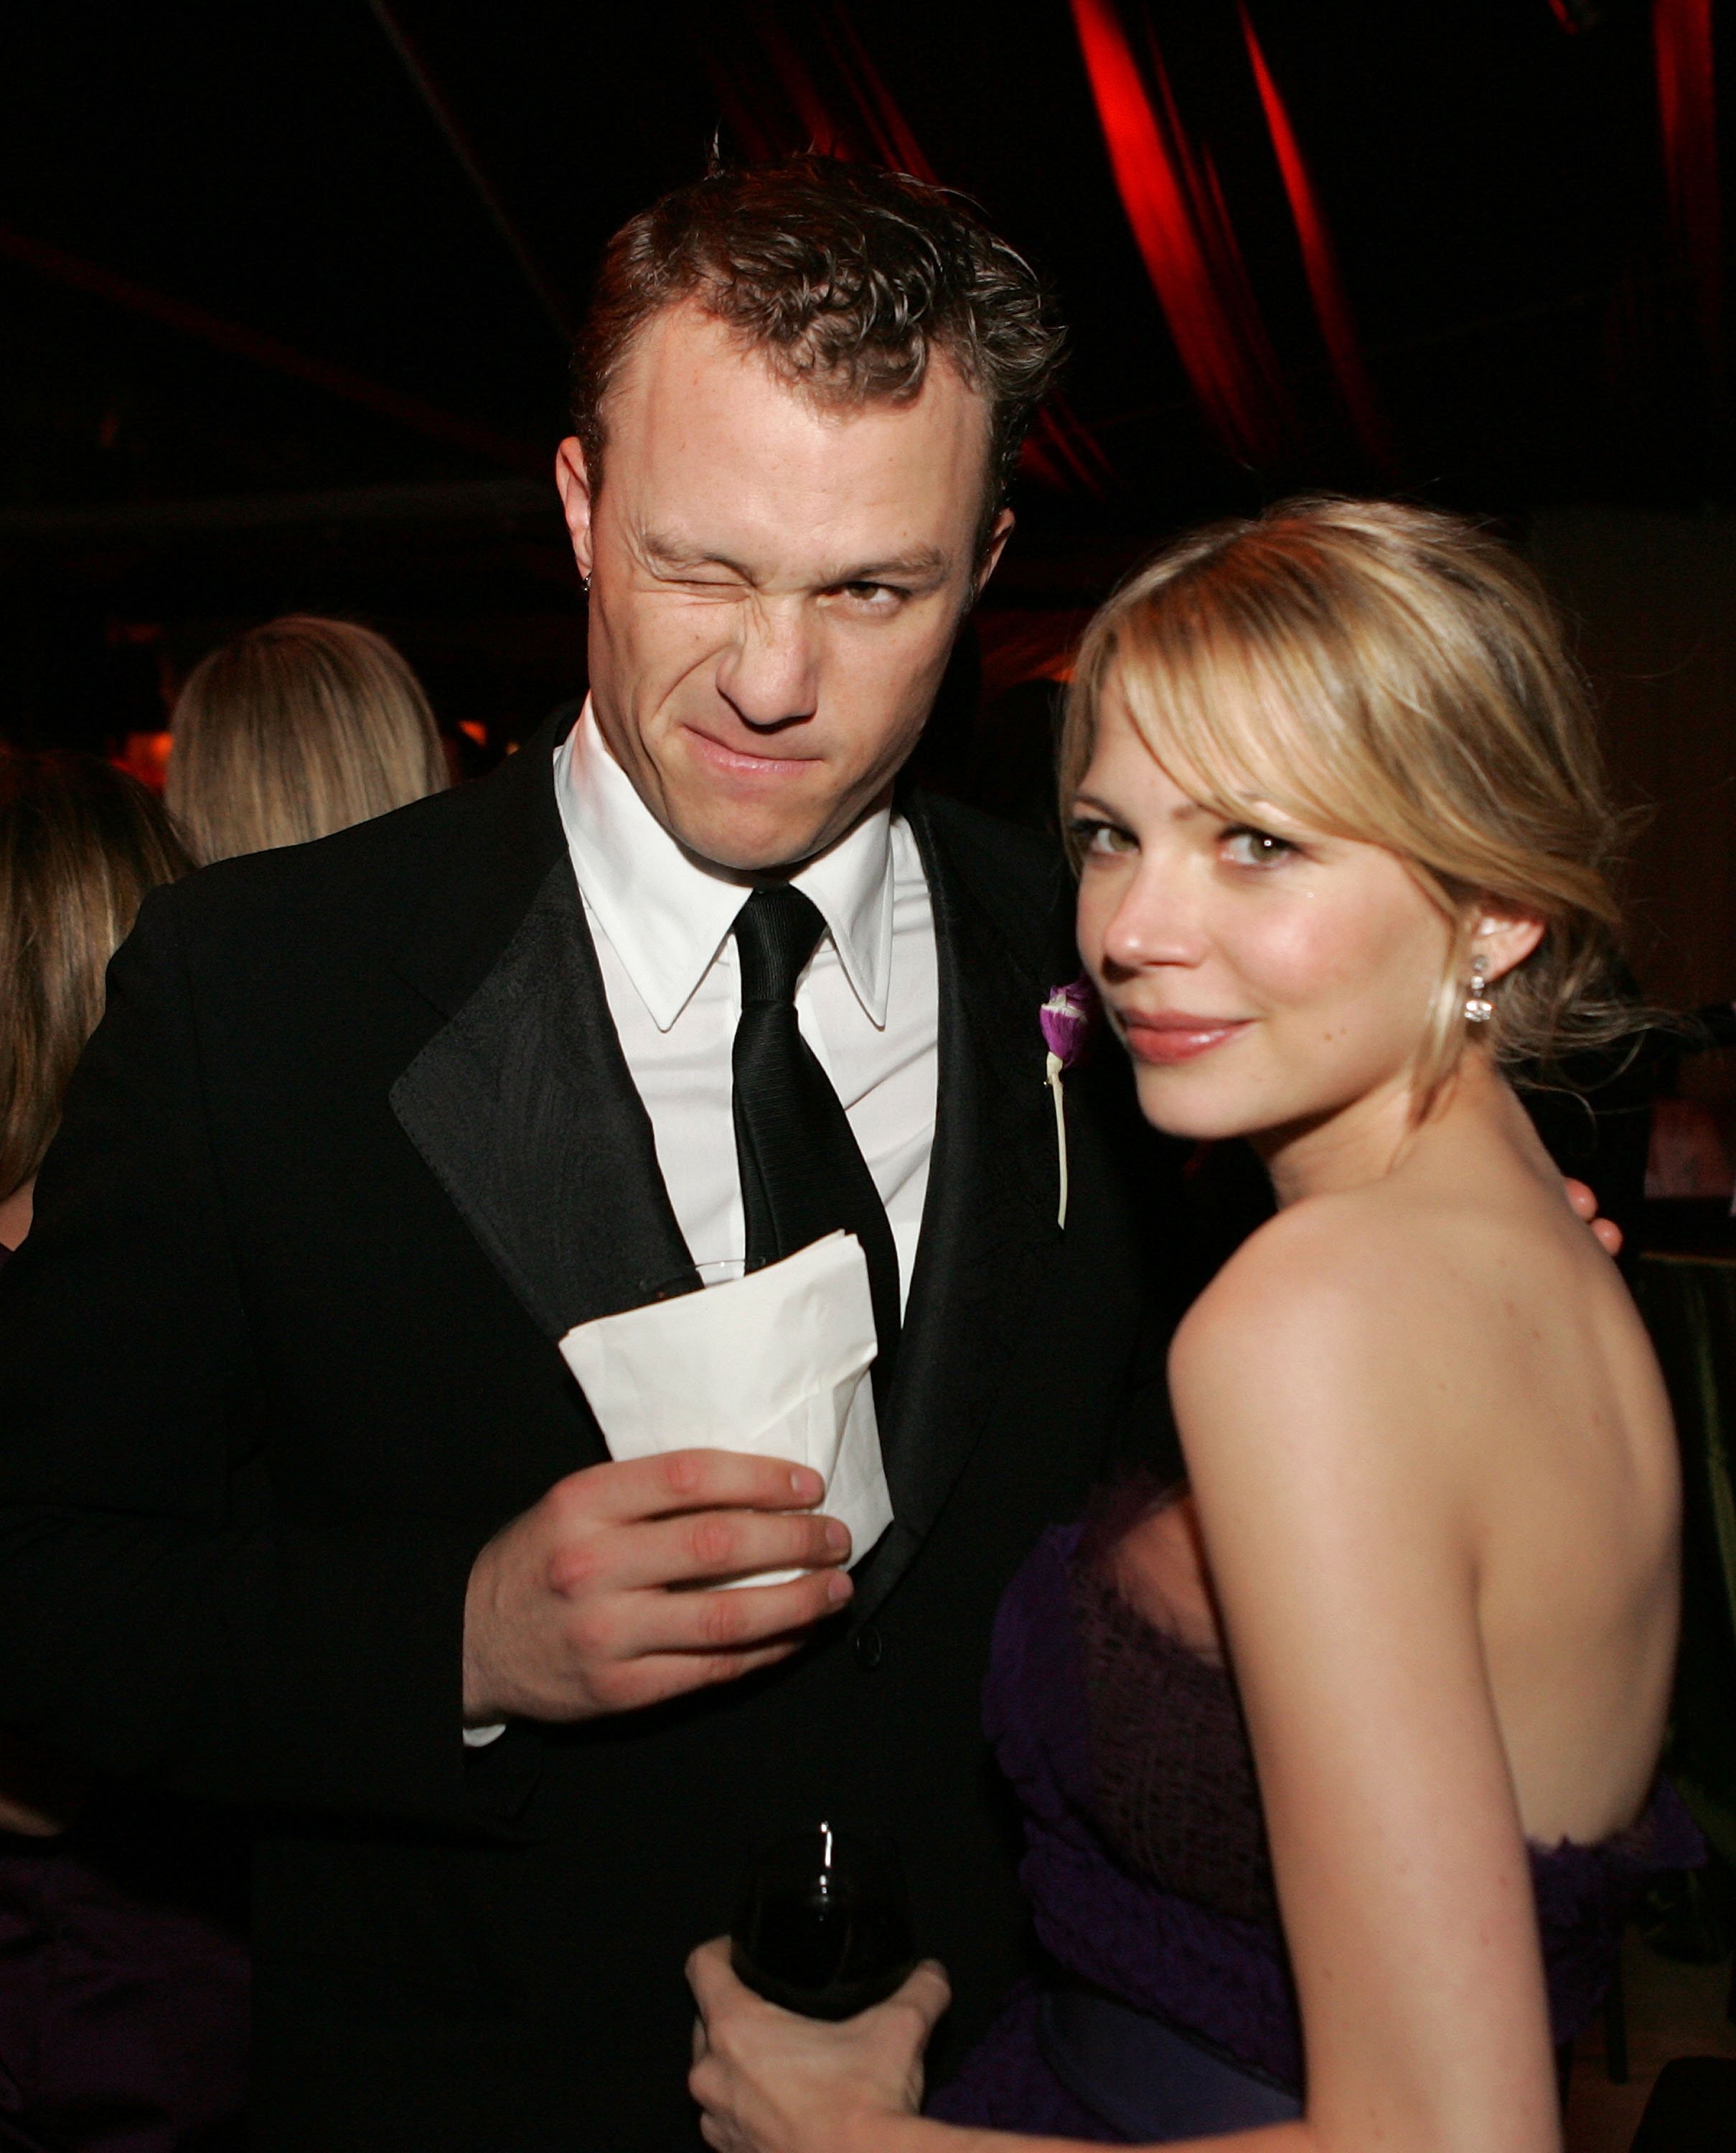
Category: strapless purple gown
[1149,1880]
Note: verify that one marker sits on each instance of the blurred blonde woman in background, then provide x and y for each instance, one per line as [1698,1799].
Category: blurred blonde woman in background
[293,730]
[124,1999]
[80,844]
[124,1994]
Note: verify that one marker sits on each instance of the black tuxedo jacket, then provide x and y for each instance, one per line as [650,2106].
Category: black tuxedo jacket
[354,1146]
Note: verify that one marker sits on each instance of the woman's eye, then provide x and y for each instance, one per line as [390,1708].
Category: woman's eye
[1101,838]
[1255,848]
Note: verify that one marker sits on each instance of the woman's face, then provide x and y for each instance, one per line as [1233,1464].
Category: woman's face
[1265,978]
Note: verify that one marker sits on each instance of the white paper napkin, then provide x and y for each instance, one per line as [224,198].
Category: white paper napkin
[775,1364]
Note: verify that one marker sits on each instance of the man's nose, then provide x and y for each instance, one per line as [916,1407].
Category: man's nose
[769,673]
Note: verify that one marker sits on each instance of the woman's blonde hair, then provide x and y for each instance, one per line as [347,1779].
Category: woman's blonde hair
[1398,676]
[80,844]
[293,730]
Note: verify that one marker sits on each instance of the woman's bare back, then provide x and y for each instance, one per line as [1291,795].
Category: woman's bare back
[1529,1378]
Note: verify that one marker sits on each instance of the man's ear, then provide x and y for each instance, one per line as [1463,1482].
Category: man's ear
[1000,531]
[573,478]
[1504,937]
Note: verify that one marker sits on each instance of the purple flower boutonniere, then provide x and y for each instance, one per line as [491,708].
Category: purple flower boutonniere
[1066,1019]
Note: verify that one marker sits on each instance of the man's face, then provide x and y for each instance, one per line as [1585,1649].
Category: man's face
[775,587]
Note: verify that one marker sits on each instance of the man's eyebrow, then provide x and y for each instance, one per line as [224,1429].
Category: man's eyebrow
[922,560]
[920,564]
[671,552]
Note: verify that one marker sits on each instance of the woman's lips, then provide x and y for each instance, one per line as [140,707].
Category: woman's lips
[1178,1036]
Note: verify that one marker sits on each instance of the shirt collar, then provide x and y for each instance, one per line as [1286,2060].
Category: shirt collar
[667,916]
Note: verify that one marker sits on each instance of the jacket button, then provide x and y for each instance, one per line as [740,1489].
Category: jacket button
[870,1644]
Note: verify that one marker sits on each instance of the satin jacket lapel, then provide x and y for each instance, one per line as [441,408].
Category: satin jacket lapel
[523,1106]
[988,1218]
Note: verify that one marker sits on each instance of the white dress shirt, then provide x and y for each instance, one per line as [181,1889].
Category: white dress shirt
[867,1003]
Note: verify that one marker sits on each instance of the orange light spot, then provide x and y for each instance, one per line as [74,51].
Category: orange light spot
[145,756]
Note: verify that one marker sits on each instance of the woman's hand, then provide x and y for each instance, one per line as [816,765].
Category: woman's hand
[770,2082]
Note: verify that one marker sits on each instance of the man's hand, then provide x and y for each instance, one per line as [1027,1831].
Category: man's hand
[769,2082]
[1608,1234]
[41,1791]
[570,1612]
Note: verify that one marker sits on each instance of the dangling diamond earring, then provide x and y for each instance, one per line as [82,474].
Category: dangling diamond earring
[1478,1009]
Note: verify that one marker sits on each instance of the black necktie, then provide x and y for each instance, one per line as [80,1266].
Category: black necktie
[802,1172]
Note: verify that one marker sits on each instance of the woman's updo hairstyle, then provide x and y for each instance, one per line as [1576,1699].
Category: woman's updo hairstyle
[1397,676]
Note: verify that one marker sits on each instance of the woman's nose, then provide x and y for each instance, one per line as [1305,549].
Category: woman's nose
[1155,922]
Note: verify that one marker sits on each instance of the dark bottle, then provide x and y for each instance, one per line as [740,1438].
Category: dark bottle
[825,1923]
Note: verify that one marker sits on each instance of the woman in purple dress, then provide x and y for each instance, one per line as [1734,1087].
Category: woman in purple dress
[1337,1762]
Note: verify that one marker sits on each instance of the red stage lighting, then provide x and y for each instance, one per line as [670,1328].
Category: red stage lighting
[1688,117]
[1319,261]
[1170,193]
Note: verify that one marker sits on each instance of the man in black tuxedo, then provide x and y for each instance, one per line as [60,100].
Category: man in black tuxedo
[300,1509]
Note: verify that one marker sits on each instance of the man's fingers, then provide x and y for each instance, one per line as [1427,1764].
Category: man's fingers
[1581,1198]
[696,1549]
[637,1684]
[593,1563]
[711,1626]
[629,1488]
[1583,1201]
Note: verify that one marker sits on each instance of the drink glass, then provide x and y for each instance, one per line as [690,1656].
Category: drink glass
[824,1926]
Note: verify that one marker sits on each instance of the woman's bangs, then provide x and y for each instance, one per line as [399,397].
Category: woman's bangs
[1235,730]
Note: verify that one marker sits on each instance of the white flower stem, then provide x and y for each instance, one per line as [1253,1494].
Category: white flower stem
[1056,1065]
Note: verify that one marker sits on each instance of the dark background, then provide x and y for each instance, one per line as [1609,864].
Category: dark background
[264,345]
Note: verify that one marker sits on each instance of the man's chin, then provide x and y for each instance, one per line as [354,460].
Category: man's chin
[754,847]
[762,834]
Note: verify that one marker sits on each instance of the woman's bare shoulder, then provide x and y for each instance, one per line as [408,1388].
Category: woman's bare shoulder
[1343,1306]
[1314,1391]
[1343,1259]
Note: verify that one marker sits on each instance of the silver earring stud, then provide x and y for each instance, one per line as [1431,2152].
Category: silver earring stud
[1478,1009]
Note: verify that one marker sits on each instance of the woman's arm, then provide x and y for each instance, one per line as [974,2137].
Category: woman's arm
[769,2082]
[1339,1465]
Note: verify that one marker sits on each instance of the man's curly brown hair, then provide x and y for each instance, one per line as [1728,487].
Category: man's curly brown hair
[848,279]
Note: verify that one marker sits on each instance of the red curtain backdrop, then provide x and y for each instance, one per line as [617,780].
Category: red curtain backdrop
[1688,117]
[1320,262]
[1170,193]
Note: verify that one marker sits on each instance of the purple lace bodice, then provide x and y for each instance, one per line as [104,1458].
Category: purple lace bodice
[1160,1892]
